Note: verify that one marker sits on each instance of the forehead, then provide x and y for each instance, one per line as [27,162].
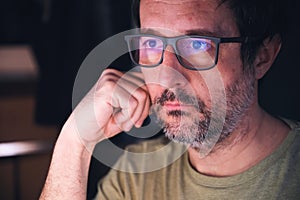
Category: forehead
[183,16]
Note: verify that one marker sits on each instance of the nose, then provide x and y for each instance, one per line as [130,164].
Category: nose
[171,73]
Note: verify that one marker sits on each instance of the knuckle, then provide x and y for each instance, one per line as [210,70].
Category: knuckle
[111,71]
[127,126]
[132,102]
[110,74]
[141,94]
[109,85]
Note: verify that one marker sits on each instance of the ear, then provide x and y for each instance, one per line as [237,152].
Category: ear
[266,55]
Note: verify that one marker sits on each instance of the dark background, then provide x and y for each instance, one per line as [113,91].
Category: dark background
[63,32]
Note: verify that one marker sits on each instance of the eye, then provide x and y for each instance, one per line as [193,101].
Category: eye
[150,43]
[200,45]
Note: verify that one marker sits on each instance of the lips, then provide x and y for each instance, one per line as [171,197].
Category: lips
[179,100]
[176,105]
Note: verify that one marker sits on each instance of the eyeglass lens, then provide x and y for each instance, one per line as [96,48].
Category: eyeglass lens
[192,52]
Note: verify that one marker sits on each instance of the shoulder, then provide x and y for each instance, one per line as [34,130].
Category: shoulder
[150,155]
[290,148]
[293,124]
[294,133]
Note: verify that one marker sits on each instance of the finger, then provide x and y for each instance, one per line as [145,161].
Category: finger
[130,95]
[143,106]
[136,87]
[136,78]
[112,128]
[125,105]
[126,125]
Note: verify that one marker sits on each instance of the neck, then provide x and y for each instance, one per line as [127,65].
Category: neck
[256,137]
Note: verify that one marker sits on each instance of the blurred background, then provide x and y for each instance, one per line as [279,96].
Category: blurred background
[42,45]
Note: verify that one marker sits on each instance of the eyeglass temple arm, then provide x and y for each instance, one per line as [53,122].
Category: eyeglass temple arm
[234,39]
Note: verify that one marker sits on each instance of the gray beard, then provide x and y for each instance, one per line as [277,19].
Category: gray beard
[195,128]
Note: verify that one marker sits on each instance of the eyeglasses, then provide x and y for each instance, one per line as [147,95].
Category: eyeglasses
[193,52]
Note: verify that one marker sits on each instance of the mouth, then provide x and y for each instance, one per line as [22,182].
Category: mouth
[175,105]
[178,102]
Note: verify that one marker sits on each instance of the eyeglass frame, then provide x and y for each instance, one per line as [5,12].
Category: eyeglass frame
[172,42]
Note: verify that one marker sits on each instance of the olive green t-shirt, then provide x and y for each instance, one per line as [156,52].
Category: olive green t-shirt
[275,177]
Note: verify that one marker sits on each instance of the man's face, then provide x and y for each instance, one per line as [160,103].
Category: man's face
[182,98]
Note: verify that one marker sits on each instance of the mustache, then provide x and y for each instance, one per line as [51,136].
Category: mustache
[181,96]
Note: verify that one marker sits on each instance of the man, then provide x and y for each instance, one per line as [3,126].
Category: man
[203,89]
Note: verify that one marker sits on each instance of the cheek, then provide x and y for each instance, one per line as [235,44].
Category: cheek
[199,86]
[205,86]
[151,82]
[230,64]
[154,91]
[151,79]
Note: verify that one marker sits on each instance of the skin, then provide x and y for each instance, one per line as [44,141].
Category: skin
[250,141]
[103,113]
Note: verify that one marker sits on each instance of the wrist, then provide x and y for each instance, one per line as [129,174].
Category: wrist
[70,138]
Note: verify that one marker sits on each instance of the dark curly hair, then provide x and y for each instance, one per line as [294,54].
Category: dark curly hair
[257,19]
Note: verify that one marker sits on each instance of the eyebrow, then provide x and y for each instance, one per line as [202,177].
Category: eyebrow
[150,31]
[200,32]
[204,32]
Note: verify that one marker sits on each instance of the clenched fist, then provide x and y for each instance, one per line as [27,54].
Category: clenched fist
[116,103]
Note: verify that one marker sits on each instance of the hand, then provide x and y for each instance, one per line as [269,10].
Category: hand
[116,103]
